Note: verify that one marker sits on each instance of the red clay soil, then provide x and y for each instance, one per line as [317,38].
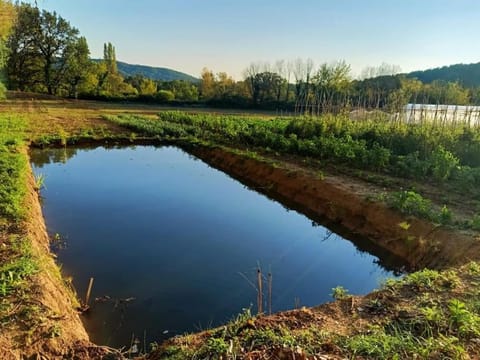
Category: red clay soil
[332,199]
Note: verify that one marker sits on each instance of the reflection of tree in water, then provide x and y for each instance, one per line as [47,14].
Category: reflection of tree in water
[41,157]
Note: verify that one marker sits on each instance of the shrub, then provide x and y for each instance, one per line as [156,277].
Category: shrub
[442,163]
[165,96]
[411,203]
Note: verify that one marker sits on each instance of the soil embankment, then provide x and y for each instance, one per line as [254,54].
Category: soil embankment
[51,329]
[333,200]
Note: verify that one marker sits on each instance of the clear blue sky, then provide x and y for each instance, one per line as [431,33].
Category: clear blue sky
[226,35]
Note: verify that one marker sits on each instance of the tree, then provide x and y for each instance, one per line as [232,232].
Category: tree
[207,84]
[249,74]
[224,86]
[165,96]
[182,90]
[142,84]
[331,84]
[40,44]
[147,87]
[110,57]
[263,86]
[7,17]
[79,66]
[110,82]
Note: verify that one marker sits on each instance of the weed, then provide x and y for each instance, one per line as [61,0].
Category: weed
[461,319]
[411,203]
[55,331]
[339,293]
[473,268]
[475,222]
[39,181]
[445,216]
[214,347]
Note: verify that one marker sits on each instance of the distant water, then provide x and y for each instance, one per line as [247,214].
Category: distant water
[174,245]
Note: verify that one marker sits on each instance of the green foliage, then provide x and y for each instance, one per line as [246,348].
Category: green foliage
[181,90]
[445,215]
[20,264]
[475,222]
[404,345]
[270,337]
[39,181]
[424,279]
[411,203]
[339,293]
[41,65]
[13,168]
[380,345]
[443,162]
[165,96]
[214,347]
[15,272]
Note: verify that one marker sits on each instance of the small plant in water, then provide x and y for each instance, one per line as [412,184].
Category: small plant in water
[39,181]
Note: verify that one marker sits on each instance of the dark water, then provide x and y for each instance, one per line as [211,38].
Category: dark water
[157,225]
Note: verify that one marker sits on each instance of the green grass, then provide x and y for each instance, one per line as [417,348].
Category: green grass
[13,167]
[16,259]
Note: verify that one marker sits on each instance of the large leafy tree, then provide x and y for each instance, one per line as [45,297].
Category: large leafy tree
[79,66]
[42,44]
[110,82]
[7,17]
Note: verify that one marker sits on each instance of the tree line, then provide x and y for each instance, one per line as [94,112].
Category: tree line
[42,52]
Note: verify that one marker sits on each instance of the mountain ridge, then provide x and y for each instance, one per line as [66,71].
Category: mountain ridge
[152,72]
[466,74]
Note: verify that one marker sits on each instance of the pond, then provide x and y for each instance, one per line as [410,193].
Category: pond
[174,245]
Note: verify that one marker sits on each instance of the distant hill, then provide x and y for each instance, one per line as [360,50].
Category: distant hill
[154,73]
[466,74]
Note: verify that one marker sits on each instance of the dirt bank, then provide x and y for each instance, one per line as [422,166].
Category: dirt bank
[47,325]
[335,201]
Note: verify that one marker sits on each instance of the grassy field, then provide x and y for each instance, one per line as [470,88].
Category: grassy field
[425,171]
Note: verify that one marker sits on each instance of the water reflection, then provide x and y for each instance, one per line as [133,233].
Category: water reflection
[171,235]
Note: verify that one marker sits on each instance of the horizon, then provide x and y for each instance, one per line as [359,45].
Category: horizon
[228,37]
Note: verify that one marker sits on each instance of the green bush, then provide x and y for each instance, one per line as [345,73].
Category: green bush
[411,203]
[165,96]
[442,163]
